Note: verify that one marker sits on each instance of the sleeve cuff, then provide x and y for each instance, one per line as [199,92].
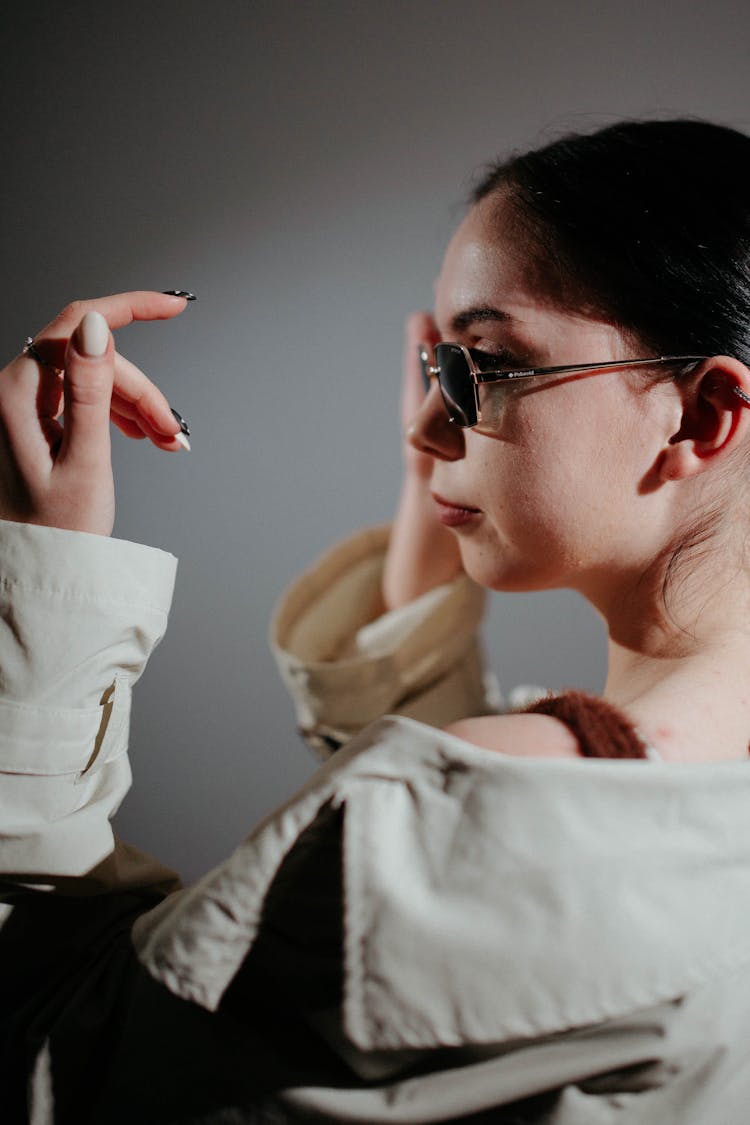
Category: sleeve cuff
[76,609]
[77,565]
[346,662]
[79,617]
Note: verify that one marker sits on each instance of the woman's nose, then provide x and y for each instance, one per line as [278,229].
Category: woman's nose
[431,430]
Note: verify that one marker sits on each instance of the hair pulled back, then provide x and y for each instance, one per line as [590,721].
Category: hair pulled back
[648,223]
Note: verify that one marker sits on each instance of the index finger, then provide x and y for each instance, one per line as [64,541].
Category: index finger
[420,328]
[119,310]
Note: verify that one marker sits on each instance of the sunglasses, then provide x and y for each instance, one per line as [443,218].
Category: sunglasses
[460,375]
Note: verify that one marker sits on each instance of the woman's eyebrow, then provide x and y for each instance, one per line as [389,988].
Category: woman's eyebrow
[477,314]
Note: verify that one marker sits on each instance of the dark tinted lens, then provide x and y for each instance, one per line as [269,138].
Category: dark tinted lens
[456,384]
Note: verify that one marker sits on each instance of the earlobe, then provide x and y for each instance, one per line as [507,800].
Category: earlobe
[715,418]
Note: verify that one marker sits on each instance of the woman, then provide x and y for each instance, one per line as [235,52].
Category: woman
[468,923]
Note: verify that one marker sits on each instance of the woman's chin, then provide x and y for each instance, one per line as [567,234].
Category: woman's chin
[504,571]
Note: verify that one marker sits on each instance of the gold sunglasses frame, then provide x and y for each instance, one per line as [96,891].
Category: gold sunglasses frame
[479,377]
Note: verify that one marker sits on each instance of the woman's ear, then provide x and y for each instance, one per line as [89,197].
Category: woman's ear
[715,418]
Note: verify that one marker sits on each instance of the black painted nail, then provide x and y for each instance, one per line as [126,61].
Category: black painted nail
[183,424]
[180,293]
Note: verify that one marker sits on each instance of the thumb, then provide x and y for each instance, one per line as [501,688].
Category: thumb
[87,387]
[420,328]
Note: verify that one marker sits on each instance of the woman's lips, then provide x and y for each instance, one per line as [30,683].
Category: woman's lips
[453,514]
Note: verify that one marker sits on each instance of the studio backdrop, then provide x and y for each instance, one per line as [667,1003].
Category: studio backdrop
[300,166]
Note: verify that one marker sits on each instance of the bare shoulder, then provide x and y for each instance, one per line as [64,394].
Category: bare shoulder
[521,735]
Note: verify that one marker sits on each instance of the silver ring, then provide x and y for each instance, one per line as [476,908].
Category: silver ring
[29,349]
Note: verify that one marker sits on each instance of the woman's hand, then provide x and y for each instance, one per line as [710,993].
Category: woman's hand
[420,328]
[422,552]
[61,475]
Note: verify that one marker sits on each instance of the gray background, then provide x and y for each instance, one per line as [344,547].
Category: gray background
[300,166]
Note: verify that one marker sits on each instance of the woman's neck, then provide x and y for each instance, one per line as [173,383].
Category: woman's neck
[688,691]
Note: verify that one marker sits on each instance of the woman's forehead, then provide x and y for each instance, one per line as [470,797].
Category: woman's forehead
[485,268]
[491,276]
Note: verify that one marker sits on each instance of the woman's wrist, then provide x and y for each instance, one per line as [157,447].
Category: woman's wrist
[422,554]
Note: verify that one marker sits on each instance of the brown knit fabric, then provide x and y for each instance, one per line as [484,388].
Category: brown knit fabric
[601,729]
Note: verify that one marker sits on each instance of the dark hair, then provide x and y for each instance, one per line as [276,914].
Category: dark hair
[649,223]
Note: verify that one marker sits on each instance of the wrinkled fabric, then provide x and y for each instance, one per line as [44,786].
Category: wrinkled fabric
[79,616]
[346,662]
[425,932]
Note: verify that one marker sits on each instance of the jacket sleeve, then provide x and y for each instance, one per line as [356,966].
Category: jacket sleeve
[79,616]
[346,661]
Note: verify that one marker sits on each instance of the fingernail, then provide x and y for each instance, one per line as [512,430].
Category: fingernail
[180,293]
[183,424]
[92,335]
[182,440]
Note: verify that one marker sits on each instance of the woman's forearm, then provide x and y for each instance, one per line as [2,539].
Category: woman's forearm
[422,554]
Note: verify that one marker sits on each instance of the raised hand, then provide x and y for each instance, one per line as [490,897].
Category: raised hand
[61,475]
[420,328]
[422,552]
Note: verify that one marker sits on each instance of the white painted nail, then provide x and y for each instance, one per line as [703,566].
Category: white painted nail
[179,436]
[93,335]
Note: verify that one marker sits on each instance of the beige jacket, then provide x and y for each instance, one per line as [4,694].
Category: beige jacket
[425,932]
